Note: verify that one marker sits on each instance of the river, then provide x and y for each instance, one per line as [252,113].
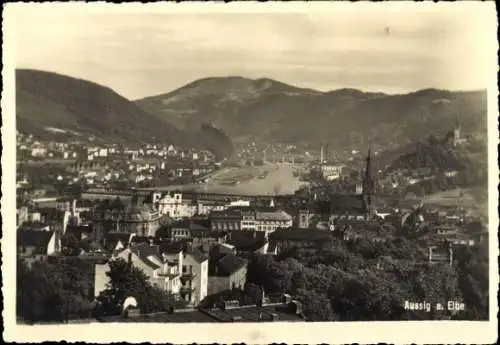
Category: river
[279,180]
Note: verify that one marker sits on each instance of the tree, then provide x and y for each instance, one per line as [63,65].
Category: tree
[70,245]
[125,281]
[315,306]
[251,295]
[53,292]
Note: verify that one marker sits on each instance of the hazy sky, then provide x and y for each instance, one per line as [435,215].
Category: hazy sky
[396,49]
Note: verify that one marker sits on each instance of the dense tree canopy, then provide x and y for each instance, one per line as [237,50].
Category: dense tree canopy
[372,281]
[56,292]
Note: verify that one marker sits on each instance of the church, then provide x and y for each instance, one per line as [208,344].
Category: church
[355,206]
[343,206]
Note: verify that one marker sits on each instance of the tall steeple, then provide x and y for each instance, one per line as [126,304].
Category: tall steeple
[368,185]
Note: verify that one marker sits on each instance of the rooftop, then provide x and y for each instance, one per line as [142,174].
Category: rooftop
[197,254]
[277,215]
[246,240]
[229,264]
[35,238]
[112,239]
[171,248]
[300,235]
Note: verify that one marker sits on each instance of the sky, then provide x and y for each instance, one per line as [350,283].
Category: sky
[146,52]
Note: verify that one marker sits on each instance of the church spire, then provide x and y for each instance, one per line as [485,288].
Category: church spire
[368,184]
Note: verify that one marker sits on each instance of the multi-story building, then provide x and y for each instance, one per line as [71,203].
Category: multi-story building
[173,205]
[194,276]
[285,239]
[330,171]
[161,270]
[226,220]
[248,218]
[118,216]
[272,219]
[227,272]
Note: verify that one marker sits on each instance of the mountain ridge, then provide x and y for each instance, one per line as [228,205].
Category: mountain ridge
[64,103]
[266,109]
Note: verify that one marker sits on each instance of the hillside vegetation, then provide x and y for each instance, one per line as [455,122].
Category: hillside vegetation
[269,110]
[50,105]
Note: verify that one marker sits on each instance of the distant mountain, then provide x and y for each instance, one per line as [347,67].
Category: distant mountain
[49,104]
[269,110]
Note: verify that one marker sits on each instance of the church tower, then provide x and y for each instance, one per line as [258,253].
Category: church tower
[368,186]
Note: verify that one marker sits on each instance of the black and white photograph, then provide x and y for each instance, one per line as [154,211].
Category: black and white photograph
[274,166]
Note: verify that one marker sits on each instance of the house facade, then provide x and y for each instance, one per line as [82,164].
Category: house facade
[116,216]
[229,272]
[194,277]
[161,272]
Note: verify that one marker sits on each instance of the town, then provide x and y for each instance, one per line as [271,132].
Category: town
[145,253]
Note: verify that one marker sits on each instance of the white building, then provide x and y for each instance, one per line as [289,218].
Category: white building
[270,221]
[163,272]
[194,277]
[331,172]
[172,205]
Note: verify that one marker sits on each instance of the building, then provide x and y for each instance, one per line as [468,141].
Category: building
[116,241]
[248,220]
[304,218]
[271,219]
[330,171]
[227,272]
[226,220]
[245,243]
[101,279]
[285,239]
[44,202]
[80,232]
[266,219]
[194,277]
[118,216]
[442,254]
[181,230]
[97,194]
[173,205]
[162,271]
[22,216]
[207,237]
[36,244]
